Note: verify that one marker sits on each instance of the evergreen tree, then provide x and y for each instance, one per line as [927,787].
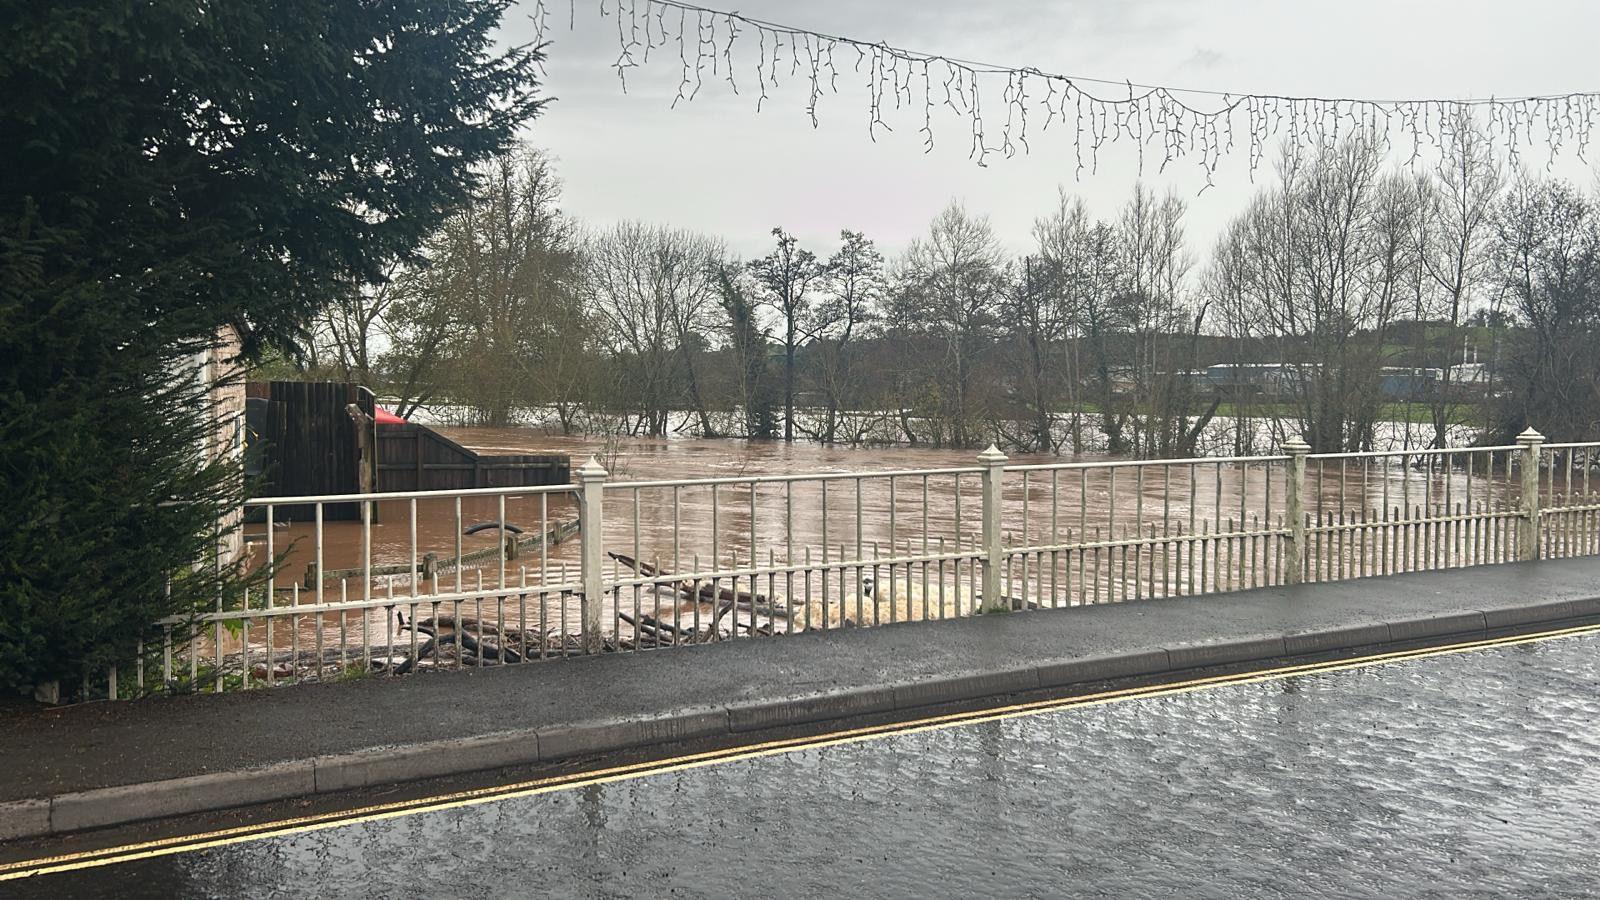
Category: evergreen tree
[174,167]
[748,342]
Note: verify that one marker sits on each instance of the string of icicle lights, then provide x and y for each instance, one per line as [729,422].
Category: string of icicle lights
[1183,124]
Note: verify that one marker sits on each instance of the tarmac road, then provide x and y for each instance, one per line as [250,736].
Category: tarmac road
[1425,773]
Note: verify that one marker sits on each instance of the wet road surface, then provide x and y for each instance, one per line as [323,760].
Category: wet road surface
[1474,772]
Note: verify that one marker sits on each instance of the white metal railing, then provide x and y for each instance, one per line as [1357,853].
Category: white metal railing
[387,583]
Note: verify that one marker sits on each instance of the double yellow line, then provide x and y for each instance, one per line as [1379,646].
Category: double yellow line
[379,812]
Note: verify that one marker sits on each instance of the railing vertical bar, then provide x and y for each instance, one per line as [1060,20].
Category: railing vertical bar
[1244,484]
[806,586]
[1055,538]
[272,594]
[344,629]
[294,634]
[1111,525]
[638,557]
[788,548]
[1194,474]
[858,549]
[925,552]
[1138,533]
[823,523]
[1083,532]
[894,597]
[317,618]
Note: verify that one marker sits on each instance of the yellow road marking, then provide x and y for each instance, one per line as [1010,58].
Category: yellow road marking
[380,812]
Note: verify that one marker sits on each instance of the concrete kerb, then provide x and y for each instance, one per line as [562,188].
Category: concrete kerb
[965,686]
[24,818]
[1332,639]
[388,765]
[1511,617]
[1104,668]
[1201,654]
[1437,626]
[383,765]
[178,796]
[819,707]
[592,738]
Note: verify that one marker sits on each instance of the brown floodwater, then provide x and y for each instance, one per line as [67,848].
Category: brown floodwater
[784,520]
[1150,528]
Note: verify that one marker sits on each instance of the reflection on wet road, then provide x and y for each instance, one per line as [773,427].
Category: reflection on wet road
[1474,772]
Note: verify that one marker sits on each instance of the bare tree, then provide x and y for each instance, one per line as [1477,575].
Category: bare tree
[351,323]
[855,286]
[418,325]
[1086,272]
[747,342]
[1547,255]
[950,289]
[525,270]
[1316,269]
[1458,225]
[496,296]
[654,289]
[1033,316]
[787,276]
[1155,266]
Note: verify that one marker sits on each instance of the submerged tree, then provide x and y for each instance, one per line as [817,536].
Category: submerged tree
[1084,264]
[1033,314]
[848,314]
[1457,226]
[1317,269]
[949,296]
[747,342]
[174,168]
[500,287]
[654,292]
[1547,256]
[787,277]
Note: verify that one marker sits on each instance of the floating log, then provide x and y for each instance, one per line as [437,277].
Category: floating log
[722,596]
[432,564]
[476,527]
[558,534]
[467,642]
[646,627]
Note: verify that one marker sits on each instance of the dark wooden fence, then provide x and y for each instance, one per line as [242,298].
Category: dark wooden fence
[302,440]
[417,458]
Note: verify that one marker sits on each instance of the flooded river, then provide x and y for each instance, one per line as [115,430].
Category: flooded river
[805,536]
[784,519]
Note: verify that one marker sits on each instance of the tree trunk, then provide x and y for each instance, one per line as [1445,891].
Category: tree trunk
[788,380]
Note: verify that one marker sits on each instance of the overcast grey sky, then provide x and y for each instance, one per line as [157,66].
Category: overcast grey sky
[717,166]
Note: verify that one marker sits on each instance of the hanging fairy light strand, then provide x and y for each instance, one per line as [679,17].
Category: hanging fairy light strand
[1180,123]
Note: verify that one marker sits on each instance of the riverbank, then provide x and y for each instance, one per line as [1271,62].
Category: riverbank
[110,763]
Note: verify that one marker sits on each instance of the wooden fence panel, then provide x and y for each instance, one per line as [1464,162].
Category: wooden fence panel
[417,458]
[304,441]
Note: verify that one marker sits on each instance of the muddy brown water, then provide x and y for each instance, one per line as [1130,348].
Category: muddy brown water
[720,527]
[790,519]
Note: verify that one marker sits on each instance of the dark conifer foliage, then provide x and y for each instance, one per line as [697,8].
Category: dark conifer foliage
[169,168]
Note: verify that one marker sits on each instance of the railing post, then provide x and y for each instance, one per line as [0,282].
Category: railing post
[1531,441]
[591,532]
[1295,510]
[994,469]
